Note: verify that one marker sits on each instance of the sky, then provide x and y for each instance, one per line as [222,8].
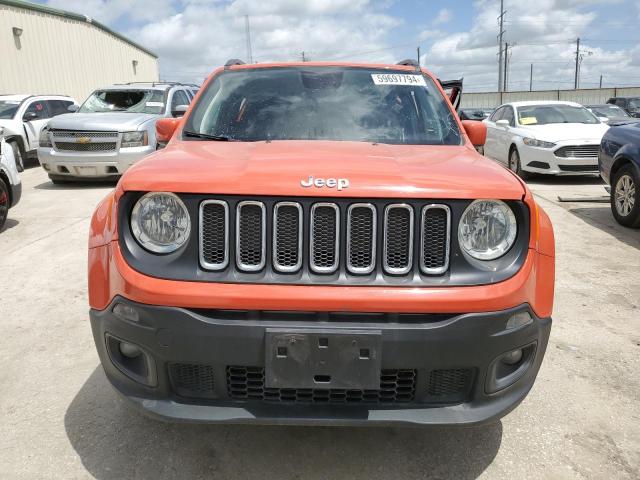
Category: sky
[457,38]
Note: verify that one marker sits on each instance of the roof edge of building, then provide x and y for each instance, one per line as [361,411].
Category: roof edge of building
[73,16]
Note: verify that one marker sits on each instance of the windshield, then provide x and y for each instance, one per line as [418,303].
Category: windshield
[8,109]
[325,103]
[609,111]
[135,101]
[554,113]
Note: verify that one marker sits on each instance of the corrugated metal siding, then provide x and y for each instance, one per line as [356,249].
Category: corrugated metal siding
[584,96]
[57,55]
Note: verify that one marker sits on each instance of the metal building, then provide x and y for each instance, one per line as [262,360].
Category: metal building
[44,50]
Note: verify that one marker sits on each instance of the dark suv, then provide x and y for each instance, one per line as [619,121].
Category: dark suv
[630,104]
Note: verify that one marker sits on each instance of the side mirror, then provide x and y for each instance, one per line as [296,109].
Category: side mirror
[165,128]
[502,123]
[73,108]
[179,110]
[29,116]
[476,131]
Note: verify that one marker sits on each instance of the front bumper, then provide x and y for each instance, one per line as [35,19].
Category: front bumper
[544,160]
[208,342]
[91,164]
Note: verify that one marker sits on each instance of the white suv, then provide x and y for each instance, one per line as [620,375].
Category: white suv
[22,118]
[10,186]
[113,129]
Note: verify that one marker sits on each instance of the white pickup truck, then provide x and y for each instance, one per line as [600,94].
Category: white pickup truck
[22,117]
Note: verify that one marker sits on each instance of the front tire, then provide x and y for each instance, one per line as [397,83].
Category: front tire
[516,166]
[18,155]
[625,197]
[4,202]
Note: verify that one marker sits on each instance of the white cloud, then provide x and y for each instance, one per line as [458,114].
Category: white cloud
[443,16]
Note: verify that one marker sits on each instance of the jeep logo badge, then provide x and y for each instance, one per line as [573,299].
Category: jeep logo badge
[339,183]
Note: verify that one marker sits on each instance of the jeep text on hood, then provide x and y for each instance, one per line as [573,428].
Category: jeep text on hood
[321,243]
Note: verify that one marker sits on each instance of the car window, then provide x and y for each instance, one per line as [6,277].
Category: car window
[325,103]
[497,114]
[39,108]
[8,108]
[508,115]
[179,98]
[58,107]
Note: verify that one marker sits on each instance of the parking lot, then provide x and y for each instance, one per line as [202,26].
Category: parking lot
[59,418]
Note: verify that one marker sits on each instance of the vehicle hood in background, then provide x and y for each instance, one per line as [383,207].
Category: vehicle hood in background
[557,132]
[118,121]
[278,167]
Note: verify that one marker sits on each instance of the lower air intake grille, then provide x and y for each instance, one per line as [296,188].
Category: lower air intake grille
[192,380]
[446,386]
[579,168]
[247,383]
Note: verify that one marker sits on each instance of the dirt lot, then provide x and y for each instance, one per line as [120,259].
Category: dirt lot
[60,419]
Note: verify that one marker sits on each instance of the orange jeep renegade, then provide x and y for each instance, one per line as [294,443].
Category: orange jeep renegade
[321,243]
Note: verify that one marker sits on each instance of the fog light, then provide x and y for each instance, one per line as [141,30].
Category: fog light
[512,358]
[125,312]
[131,351]
[519,319]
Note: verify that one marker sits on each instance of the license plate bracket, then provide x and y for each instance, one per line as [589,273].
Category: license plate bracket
[323,358]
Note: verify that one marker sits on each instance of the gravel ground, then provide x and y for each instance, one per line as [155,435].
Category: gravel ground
[60,419]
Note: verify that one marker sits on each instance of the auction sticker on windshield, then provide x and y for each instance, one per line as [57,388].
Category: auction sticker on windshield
[398,79]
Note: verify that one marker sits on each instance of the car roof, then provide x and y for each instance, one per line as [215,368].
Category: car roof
[542,102]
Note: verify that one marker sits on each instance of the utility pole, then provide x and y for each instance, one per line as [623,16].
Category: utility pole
[600,81]
[500,35]
[418,55]
[531,79]
[247,33]
[575,85]
[506,67]
[304,58]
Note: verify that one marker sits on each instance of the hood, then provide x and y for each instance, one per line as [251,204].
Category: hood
[278,167]
[557,132]
[120,121]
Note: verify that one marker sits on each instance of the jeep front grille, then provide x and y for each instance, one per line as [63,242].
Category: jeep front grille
[325,238]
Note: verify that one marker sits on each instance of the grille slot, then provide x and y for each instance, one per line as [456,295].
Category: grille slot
[398,239]
[325,237]
[192,380]
[250,240]
[578,151]
[214,234]
[85,147]
[247,383]
[447,386]
[435,227]
[287,237]
[579,168]
[80,133]
[361,238]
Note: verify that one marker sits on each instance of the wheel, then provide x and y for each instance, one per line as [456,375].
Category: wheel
[58,179]
[4,202]
[516,166]
[18,154]
[625,197]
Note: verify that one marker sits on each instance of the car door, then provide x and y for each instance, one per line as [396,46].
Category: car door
[35,116]
[490,145]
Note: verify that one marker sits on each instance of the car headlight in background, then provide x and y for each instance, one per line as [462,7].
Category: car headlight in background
[487,229]
[532,142]
[134,139]
[44,140]
[160,222]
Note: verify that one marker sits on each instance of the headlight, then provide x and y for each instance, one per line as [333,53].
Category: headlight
[134,139]
[532,142]
[487,229]
[160,222]
[44,140]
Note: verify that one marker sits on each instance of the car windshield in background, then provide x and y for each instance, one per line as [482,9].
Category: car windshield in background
[548,114]
[611,111]
[634,104]
[134,101]
[8,109]
[324,103]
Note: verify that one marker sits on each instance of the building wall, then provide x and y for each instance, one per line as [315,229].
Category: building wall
[584,96]
[58,55]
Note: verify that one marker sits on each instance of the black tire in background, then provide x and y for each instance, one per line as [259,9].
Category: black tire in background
[18,154]
[624,182]
[4,202]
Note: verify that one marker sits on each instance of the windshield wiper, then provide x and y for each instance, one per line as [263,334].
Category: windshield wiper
[204,136]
